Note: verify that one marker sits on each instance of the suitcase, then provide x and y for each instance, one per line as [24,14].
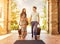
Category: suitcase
[38,31]
[19,31]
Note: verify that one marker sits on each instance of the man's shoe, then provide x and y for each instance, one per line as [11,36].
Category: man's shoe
[32,36]
[35,37]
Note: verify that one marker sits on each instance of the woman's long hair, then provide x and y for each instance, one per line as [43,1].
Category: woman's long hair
[23,12]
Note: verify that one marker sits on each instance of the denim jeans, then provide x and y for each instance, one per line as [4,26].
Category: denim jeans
[34,27]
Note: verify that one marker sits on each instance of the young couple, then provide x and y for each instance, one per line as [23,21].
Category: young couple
[34,20]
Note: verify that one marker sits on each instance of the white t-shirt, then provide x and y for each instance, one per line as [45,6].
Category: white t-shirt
[34,16]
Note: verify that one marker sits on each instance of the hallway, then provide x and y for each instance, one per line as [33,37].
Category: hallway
[48,39]
[53,24]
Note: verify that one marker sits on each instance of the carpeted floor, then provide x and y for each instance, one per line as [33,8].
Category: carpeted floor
[29,42]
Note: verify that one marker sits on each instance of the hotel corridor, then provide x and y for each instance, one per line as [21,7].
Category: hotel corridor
[53,17]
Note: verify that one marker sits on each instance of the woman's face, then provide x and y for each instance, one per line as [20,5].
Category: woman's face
[24,10]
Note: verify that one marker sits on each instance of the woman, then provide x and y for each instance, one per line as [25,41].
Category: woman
[23,21]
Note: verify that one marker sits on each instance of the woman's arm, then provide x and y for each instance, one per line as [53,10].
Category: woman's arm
[30,18]
[20,18]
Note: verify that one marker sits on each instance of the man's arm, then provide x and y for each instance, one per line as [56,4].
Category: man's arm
[38,18]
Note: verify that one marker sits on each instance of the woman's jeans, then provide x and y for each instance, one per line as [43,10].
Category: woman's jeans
[34,27]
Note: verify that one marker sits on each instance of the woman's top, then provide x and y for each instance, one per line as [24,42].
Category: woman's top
[23,20]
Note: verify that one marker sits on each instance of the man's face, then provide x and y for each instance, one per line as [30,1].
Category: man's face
[34,9]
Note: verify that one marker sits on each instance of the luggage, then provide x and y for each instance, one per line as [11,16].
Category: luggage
[37,36]
[38,31]
[19,31]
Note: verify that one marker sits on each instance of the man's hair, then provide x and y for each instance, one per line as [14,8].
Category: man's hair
[35,7]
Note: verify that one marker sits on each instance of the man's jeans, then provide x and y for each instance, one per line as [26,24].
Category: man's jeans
[34,27]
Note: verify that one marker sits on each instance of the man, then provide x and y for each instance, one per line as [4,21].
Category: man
[34,20]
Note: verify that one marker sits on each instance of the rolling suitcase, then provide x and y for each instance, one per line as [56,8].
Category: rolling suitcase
[19,31]
[38,31]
